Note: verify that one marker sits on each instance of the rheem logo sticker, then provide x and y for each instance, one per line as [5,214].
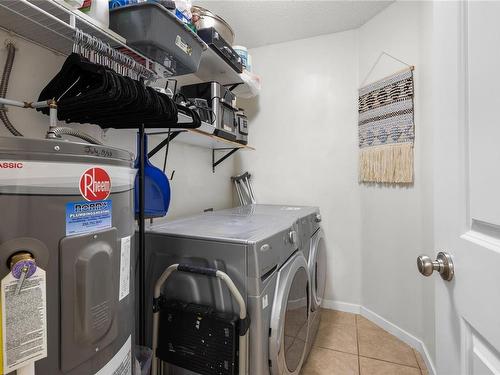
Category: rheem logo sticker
[95,184]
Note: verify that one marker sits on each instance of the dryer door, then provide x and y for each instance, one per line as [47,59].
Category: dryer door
[289,319]
[317,268]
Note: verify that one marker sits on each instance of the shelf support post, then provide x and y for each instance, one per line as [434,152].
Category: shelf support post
[142,241]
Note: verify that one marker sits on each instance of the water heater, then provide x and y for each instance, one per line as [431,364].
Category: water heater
[66,258]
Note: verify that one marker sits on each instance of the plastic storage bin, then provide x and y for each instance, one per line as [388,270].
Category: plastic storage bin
[159,35]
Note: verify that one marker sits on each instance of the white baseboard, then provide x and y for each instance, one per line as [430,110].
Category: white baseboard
[341,306]
[400,333]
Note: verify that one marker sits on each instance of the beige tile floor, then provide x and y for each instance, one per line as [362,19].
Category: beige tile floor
[348,344]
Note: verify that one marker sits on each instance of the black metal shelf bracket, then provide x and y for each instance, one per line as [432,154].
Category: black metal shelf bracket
[233,86]
[220,160]
[163,143]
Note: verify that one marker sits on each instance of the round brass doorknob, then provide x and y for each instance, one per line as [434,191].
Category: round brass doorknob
[443,264]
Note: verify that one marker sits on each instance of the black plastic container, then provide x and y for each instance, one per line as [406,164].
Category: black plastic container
[198,338]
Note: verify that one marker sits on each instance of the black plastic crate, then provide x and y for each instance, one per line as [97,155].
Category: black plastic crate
[198,338]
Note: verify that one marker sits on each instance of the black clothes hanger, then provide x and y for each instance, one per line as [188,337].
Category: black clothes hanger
[87,92]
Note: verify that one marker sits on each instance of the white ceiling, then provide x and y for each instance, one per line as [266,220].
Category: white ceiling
[257,23]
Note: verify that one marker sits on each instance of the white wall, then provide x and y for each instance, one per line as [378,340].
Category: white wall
[397,221]
[303,125]
[194,187]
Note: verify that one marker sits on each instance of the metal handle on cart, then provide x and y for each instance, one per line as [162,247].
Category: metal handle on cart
[244,323]
[195,269]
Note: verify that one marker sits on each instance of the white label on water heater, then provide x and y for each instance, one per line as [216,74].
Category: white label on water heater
[121,363]
[125,268]
[24,320]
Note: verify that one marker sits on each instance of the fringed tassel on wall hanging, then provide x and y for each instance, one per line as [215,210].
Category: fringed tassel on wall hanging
[386,130]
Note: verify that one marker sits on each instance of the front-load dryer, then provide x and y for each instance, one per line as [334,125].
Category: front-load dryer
[307,218]
[261,255]
[290,318]
[317,274]
[311,239]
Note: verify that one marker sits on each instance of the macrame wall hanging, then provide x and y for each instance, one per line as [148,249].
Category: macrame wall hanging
[386,128]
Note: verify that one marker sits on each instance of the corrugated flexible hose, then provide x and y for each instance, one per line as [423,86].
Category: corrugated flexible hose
[11,52]
[75,133]
[9,63]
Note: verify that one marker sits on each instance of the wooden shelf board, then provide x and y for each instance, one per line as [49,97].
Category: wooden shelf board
[197,137]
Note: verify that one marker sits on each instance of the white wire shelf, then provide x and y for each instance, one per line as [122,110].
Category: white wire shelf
[52,25]
[214,68]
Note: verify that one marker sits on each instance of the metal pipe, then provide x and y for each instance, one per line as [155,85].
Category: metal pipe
[10,127]
[251,189]
[243,314]
[142,240]
[9,63]
[248,198]
[14,103]
[238,191]
[17,103]
[43,104]
[156,315]
[56,132]
[53,117]
[4,83]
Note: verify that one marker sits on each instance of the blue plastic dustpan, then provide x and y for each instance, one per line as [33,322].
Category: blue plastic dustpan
[156,187]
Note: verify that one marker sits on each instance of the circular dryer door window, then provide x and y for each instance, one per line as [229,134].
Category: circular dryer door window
[296,320]
[319,273]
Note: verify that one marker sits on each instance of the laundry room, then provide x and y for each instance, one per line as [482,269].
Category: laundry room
[270,187]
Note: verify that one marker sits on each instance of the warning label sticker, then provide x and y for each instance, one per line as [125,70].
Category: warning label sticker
[121,363]
[24,320]
[86,217]
[124,268]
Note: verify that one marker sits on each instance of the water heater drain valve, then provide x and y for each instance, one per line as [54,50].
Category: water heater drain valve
[22,266]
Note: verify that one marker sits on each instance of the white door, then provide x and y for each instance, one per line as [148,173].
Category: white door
[466,85]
